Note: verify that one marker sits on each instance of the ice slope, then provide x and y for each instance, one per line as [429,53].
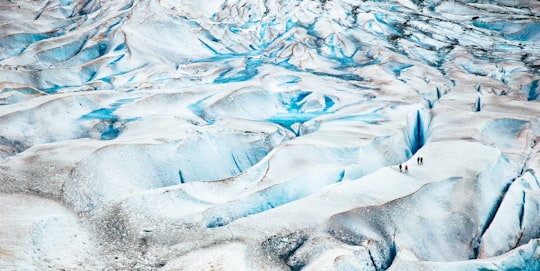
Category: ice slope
[266,135]
[40,234]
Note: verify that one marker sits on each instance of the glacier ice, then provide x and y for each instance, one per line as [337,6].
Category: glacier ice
[266,135]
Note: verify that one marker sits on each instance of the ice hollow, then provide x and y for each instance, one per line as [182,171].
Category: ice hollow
[268,135]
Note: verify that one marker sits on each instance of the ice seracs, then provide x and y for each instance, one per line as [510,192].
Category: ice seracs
[266,135]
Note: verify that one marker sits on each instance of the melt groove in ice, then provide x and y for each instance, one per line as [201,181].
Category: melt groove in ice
[256,135]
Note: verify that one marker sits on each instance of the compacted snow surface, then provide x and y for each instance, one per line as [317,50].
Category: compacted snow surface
[266,135]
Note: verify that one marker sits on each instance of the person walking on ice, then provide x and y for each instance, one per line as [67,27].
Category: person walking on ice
[400,168]
[406,169]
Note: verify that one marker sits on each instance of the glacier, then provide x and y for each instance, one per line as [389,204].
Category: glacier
[267,135]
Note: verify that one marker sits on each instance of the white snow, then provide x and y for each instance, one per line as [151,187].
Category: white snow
[267,135]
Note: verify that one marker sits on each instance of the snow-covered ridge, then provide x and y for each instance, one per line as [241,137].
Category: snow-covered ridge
[266,135]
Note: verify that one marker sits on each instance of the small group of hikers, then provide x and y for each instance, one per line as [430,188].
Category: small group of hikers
[419,160]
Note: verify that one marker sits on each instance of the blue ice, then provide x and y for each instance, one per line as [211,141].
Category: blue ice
[250,71]
[532,90]
[213,157]
[395,67]
[101,114]
[108,119]
[372,117]
[290,79]
[110,133]
[289,120]
[478,105]
[266,199]
[198,107]
[343,76]
[62,53]
[66,2]
[92,52]
[529,31]
[10,52]
[505,127]
[208,47]
[473,70]
[293,100]
[387,20]
[503,132]
[22,40]
[495,25]
[417,130]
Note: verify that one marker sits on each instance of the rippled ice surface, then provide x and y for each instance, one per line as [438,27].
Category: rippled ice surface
[266,135]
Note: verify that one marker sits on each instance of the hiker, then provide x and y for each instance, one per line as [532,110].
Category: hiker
[406,169]
[400,168]
[421,160]
[418,160]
